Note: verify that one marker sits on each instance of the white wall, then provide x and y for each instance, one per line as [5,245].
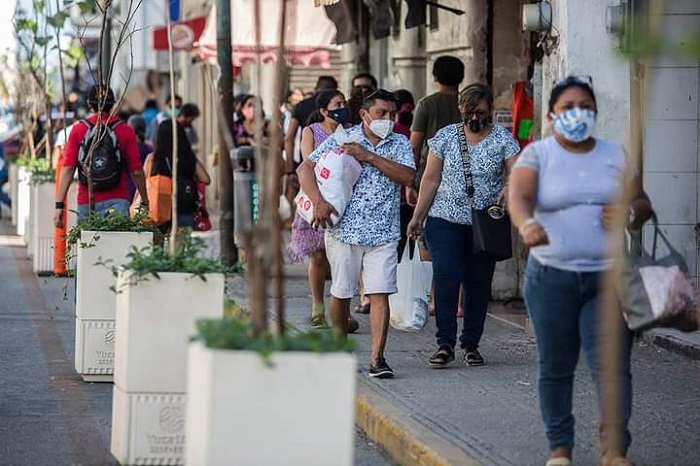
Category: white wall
[586,48]
[671,162]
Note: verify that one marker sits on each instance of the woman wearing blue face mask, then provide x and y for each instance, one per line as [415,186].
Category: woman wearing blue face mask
[445,202]
[563,192]
[331,111]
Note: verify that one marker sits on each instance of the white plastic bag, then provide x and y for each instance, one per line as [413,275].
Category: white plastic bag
[336,175]
[409,307]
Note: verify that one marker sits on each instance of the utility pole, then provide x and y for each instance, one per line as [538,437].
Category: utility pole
[229,253]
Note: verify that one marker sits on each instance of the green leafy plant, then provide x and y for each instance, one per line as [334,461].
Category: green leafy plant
[236,333]
[151,261]
[40,169]
[114,221]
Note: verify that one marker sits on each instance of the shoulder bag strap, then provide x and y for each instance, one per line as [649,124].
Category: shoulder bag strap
[466,160]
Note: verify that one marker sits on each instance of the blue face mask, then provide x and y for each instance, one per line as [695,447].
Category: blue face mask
[576,124]
[341,115]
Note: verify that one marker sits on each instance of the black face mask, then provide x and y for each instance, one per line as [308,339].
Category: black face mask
[341,115]
[476,125]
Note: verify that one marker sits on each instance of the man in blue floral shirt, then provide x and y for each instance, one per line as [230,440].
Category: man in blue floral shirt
[365,240]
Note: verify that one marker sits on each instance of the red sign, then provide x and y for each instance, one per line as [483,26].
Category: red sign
[184,34]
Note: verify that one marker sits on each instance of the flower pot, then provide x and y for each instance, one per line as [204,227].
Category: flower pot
[95,302]
[22,202]
[305,401]
[14,188]
[155,319]
[42,230]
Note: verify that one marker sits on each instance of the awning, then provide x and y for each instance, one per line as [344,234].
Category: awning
[309,35]
[186,34]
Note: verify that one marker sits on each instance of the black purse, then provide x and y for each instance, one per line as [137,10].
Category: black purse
[491,226]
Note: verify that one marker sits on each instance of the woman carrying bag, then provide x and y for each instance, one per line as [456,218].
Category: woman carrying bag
[466,170]
[190,171]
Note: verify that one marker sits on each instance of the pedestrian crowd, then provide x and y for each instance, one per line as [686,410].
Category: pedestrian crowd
[436,175]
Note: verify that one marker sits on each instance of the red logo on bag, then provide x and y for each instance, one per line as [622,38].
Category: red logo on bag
[307,205]
[325,173]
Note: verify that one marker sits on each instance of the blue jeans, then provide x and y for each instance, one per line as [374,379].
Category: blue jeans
[102,208]
[565,311]
[451,247]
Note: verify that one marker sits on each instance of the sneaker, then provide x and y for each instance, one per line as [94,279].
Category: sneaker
[318,322]
[472,357]
[442,357]
[380,369]
[362,308]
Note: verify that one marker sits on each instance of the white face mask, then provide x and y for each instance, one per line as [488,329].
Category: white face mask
[381,128]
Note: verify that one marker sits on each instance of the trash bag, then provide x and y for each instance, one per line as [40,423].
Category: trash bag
[409,307]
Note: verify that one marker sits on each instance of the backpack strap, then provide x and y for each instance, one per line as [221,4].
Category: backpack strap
[83,150]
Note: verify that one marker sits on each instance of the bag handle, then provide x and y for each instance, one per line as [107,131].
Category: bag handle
[659,234]
[466,160]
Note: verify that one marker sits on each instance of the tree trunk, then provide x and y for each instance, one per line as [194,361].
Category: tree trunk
[229,253]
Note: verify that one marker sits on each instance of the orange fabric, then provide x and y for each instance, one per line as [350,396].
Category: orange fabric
[523,114]
[59,241]
[160,192]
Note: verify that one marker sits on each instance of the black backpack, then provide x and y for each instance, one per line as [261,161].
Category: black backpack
[107,161]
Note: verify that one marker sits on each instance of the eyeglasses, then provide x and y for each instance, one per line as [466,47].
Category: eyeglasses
[382,94]
[583,80]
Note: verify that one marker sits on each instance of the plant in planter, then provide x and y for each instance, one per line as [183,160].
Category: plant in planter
[280,386]
[96,241]
[159,297]
[41,229]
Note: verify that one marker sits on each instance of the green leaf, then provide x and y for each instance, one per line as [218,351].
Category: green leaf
[58,20]
[26,24]
[86,7]
[42,41]
[39,5]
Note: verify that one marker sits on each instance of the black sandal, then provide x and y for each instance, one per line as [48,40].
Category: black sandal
[442,357]
[362,309]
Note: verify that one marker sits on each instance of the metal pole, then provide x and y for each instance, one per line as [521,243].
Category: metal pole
[229,253]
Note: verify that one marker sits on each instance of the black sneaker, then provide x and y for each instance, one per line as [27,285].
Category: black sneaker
[380,369]
[473,358]
[442,357]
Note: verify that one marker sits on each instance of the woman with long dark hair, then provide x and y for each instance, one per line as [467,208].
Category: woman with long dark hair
[190,171]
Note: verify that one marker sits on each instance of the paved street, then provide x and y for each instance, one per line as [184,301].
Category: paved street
[48,416]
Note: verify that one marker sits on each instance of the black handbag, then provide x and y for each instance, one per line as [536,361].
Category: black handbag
[491,226]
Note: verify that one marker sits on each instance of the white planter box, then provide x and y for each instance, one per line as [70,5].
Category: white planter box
[23,202]
[155,320]
[305,402]
[95,303]
[14,188]
[42,230]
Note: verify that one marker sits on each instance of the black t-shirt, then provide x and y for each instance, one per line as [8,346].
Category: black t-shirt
[304,109]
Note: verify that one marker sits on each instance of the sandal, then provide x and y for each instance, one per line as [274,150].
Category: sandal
[442,357]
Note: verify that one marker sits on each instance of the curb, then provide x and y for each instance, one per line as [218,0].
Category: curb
[673,344]
[406,441]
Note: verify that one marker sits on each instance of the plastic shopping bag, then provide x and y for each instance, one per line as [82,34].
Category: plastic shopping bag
[336,175]
[409,307]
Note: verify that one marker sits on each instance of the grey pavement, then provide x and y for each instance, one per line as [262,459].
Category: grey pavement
[492,412]
[48,415]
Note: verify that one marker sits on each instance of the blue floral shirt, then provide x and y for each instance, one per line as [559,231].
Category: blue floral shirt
[372,215]
[487,165]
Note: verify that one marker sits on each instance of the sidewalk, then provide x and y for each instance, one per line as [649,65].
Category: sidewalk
[490,415]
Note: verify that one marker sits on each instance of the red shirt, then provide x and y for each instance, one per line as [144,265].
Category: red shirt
[126,138]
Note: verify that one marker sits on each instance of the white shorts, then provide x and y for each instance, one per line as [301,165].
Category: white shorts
[377,264]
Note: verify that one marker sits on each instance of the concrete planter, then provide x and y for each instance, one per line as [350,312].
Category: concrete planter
[23,201]
[305,401]
[42,228]
[95,303]
[155,319]
[14,189]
